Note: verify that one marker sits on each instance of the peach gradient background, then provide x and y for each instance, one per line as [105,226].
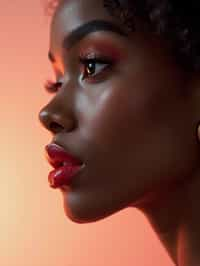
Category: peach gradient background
[33,228]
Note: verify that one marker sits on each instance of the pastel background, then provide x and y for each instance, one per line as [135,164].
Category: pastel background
[33,228]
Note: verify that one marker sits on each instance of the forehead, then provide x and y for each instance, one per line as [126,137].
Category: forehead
[70,14]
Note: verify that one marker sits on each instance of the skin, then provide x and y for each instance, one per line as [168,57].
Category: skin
[136,130]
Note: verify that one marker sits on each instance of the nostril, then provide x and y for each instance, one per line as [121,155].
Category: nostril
[55,127]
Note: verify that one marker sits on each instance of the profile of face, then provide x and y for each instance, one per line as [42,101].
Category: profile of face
[128,113]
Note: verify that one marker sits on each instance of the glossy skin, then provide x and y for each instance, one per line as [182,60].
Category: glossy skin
[135,127]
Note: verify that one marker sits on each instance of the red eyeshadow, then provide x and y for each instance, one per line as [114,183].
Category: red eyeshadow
[102,47]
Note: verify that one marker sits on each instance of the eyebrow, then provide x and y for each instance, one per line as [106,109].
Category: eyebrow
[79,33]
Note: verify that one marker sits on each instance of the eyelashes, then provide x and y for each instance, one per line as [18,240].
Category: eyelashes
[89,67]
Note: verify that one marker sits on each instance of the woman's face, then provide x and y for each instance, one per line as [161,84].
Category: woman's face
[126,117]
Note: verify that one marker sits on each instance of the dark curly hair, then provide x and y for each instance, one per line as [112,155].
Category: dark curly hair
[177,21]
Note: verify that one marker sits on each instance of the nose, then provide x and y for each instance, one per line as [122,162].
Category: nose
[56,121]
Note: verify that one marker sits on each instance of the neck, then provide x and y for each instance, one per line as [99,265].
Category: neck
[176,220]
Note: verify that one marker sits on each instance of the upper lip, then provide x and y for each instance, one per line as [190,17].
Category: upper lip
[57,155]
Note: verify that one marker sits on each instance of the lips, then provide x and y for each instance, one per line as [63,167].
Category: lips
[57,156]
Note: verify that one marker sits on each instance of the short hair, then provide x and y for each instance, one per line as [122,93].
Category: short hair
[175,21]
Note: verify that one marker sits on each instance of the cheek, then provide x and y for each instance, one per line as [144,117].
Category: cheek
[120,111]
[111,116]
[137,120]
[115,124]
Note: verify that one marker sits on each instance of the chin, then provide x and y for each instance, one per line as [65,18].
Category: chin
[84,210]
[81,216]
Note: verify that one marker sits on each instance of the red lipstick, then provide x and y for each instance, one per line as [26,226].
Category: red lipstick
[66,165]
[63,175]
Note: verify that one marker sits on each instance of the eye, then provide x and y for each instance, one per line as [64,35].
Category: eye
[94,66]
[51,86]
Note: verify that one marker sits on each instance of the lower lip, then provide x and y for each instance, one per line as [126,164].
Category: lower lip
[63,175]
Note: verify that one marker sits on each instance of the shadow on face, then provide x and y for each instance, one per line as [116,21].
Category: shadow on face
[121,108]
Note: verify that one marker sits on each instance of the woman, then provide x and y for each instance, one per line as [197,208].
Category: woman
[127,104]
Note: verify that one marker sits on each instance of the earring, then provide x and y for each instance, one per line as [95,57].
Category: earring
[125,14]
